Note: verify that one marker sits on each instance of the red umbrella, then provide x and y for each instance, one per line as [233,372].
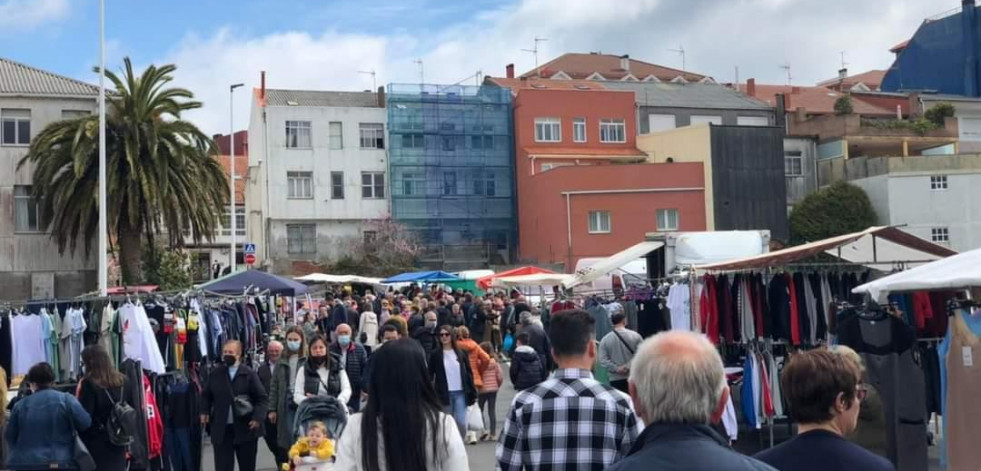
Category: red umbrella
[485,282]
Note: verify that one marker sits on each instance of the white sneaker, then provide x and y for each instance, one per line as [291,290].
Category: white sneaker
[471,438]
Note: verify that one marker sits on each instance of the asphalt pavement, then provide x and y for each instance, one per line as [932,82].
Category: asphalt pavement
[481,455]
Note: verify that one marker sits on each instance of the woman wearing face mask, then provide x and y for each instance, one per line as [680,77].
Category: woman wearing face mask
[98,392]
[281,405]
[233,407]
[824,391]
[41,430]
[321,375]
[450,370]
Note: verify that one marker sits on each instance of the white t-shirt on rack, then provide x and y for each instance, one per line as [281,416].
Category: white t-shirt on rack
[27,335]
[139,342]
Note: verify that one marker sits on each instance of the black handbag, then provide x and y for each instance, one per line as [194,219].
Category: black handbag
[242,406]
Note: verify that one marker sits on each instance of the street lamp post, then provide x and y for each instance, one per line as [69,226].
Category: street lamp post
[103,200]
[231,164]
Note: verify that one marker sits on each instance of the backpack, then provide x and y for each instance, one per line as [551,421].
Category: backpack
[122,422]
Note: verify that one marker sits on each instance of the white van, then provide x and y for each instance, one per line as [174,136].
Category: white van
[631,273]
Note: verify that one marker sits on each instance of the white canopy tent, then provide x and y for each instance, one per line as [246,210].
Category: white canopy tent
[340,279]
[611,263]
[956,272]
[538,279]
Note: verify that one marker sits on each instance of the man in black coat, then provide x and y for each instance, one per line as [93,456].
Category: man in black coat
[426,334]
[355,360]
[234,429]
[273,351]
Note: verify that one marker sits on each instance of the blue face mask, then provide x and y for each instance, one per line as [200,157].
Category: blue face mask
[344,340]
[294,345]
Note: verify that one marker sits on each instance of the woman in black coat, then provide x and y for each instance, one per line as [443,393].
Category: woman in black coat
[233,436]
[455,391]
[98,391]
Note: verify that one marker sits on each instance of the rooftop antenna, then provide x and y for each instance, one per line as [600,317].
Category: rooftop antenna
[535,52]
[843,63]
[371,72]
[787,68]
[737,78]
[681,51]
[421,75]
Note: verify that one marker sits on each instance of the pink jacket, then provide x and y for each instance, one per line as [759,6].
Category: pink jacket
[493,376]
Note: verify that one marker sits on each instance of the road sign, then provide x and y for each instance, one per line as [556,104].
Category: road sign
[249,248]
[250,259]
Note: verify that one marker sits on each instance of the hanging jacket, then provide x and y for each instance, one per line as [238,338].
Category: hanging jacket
[747,397]
[134,395]
[795,319]
[154,423]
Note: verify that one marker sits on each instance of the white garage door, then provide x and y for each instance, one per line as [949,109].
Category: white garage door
[752,121]
[660,122]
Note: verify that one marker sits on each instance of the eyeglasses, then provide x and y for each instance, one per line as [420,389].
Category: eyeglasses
[444,334]
[861,392]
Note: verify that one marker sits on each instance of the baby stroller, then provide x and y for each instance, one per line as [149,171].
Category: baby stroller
[326,409]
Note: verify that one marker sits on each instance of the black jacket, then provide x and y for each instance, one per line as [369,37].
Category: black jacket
[220,391]
[676,447]
[311,379]
[265,376]
[438,373]
[426,337]
[357,361]
[526,368]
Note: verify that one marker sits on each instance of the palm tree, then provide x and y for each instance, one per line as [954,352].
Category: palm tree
[163,177]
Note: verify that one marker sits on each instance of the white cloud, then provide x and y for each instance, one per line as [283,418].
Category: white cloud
[758,36]
[24,14]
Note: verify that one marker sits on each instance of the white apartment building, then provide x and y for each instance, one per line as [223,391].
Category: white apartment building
[317,172]
[30,265]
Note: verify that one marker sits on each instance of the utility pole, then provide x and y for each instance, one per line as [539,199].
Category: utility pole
[681,51]
[422,77]
[103,199]
[371,72]
[535,52]
[231,165]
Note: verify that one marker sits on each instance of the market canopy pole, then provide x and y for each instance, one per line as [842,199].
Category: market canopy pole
[103,200]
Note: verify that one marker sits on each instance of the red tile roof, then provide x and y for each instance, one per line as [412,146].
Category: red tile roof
[871,79]
[516,84]
[816,100]
[900,46]
[581,66]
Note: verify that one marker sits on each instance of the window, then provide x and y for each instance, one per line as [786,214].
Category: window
[940,235]
[335,138]
[73,114]
[793,163]
[298,135]
[301,239]
[752,121]
[482,142]
[413,184]
[337,185]
[15,127]
[599,222]
[484,184]
[660,122]
[27,211]
[700,119]
[938,182]
[300,185]
[667,220]
[613,130]
[370,237]
[449,183]
[372,135]
[579,130]
[226,222]
[548,130]
[372,185]
[413,141]
[449,143]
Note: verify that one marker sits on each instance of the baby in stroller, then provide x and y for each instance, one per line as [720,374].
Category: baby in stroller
[325,418]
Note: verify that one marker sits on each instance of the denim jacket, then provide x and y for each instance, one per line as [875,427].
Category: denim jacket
[41,430]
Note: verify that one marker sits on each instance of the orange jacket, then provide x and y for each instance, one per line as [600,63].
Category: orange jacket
[479,359]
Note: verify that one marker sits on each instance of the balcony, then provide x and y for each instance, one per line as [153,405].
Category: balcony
[873,137]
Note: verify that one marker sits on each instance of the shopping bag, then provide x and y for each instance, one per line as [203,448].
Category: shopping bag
[475,419]
[508,342]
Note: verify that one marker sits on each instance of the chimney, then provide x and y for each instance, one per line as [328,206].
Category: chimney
[915,110]
[842,73]
[262,85]
[801,114]
[786,102]
[781,109]
[625,62]
[381,97]
[509,71]
[969,40]
[751,87]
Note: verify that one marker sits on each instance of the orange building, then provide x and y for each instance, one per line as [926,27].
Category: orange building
[583,187]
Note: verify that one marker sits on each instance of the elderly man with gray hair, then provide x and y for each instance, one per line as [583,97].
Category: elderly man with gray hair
[678,386]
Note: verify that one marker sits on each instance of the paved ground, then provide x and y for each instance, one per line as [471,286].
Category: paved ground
[481,455]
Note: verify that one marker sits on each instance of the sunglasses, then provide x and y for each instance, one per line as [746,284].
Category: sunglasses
[444,334]
[861,392]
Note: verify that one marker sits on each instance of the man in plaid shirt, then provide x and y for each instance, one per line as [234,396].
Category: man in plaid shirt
[570,421]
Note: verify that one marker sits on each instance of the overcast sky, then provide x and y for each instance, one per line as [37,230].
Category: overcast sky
[322,44]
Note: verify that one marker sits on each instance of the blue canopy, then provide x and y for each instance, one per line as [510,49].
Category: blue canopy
[238,282]
[421,276]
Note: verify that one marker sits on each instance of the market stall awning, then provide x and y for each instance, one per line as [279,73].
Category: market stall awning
[341,279]
[238,282]
[484,282]
[419,276]
[538,279]
[860,248]
[954,272]
[611,263]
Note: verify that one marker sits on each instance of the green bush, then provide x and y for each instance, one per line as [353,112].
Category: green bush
[843,105]
[166,268]
[841,208]
[938,112]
